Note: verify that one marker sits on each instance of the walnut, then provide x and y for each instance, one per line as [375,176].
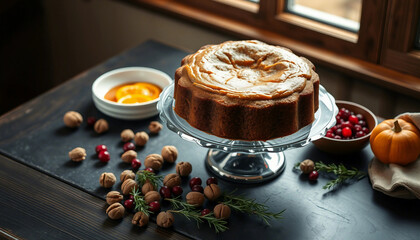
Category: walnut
[113,197]
[128,185]
[140,219]
[154,161]
[221,211]
[147,187]
[169,154]
[183,169]
[155,127]
[172,180]
[107,179]
[151,196]
[127,135]
[78,154]
[307,166]
[72,119]
[127,174]
[115,211]
[195,198]
[101,126]
[165,219]
[128,156]
[212,192]
[141,138]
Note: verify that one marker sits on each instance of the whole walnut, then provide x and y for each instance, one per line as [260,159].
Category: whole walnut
[172,180]
[128,186]
[169,154]
[195,198]
[127,135]
[307,166]
[113,197]
[221,211]
[115,211]
[127,174]
[78,154]
[155,127]
[107,179]
[183,169]
[72,119]
[154,161]
[212,192]
[165,219]
[141,138]
[101,126]
[147,187]
[128,156]
[140,219]
[151,196]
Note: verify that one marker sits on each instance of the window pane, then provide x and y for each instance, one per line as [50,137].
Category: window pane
[341,13]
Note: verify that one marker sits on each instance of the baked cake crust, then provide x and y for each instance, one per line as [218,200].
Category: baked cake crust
[246,90]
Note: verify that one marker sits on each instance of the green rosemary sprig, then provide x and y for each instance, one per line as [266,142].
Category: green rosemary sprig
[250,206]
[146,176]
[140,203]
[343,174]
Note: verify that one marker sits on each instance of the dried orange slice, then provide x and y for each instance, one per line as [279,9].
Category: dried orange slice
[145,89]
[134,98]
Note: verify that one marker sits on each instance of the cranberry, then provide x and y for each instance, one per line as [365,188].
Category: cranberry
[330,135]
[339,121]
[360,116]
[197,188]
[104,156]
[344,114]
[195,181]
[337,137]
[129,146]
[360,134]
[346,132]
[135,164]
[347,124]
[131,197]
[154,206]
[211,180]
[362,123]
[205,211]
[313,175]
[129,204]
[177,191]
[149,170]
[365,130]
[100,148]
[339,132]
[357,128]
[91,121]
[165,192]
[353,119]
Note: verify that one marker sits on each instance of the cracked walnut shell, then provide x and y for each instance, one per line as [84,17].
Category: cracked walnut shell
[154,161]
[114,197]
[78,154]
[172,180]
[165,219]
[128,186]
[195,198]
[127,174]
[155,127]
[101,126]
[128,156]
[72,119]
[127,135]
[183,169]
[221,211]
[140,219]
[107,179]
[169,154]
[212,192]
[151,196]
[115,211]
[141,138]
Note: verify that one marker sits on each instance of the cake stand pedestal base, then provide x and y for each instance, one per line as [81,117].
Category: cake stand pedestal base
[243,167]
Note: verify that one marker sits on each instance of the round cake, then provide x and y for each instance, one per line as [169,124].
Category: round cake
[246,90]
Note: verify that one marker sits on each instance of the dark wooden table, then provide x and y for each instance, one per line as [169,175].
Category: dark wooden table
[43,195]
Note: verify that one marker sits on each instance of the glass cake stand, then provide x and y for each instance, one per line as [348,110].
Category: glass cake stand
[247,161]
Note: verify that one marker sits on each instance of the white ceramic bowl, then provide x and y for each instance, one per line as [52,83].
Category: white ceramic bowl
[128,75]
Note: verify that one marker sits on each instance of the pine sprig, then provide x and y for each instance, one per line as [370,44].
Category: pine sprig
[140,203]
[343,174]
[146,176]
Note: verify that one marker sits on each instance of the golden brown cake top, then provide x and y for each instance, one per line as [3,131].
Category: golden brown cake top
[248,69]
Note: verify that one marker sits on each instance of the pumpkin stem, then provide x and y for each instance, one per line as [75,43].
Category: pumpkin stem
[397,127]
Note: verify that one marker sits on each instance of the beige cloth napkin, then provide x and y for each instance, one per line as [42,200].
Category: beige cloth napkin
[393,179]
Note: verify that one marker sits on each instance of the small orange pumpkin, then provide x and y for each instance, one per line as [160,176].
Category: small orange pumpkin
[395,141]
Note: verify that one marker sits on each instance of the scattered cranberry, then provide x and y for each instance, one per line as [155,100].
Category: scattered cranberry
[129,204]
[100,148]
[129,146]
[197,188]
[91,121]
[165,192]
[104,156]
[131,197]
[177,191]
[353,119]
[195,181]
[135,164]
[313,175]
[205,211]
[154,207]
[346,132]
[211,180]
[149,170]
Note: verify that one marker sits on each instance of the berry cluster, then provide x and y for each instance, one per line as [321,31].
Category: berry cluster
[348,126]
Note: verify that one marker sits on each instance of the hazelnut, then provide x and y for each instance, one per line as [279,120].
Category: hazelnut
[127,174]
[221,211]
[78,154]
[154,161]
[307,166]
[183,169]
[141,138]
[115,211]
[72,119]
[128,156]
[147,187]
[195,198]
[140,219]
[113,197]
[212,192]
[155,127]
[101,126]
[165,219]
[127,135]
[107,179]
[172,180]
[128,186]
[151,196]
[169,154]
